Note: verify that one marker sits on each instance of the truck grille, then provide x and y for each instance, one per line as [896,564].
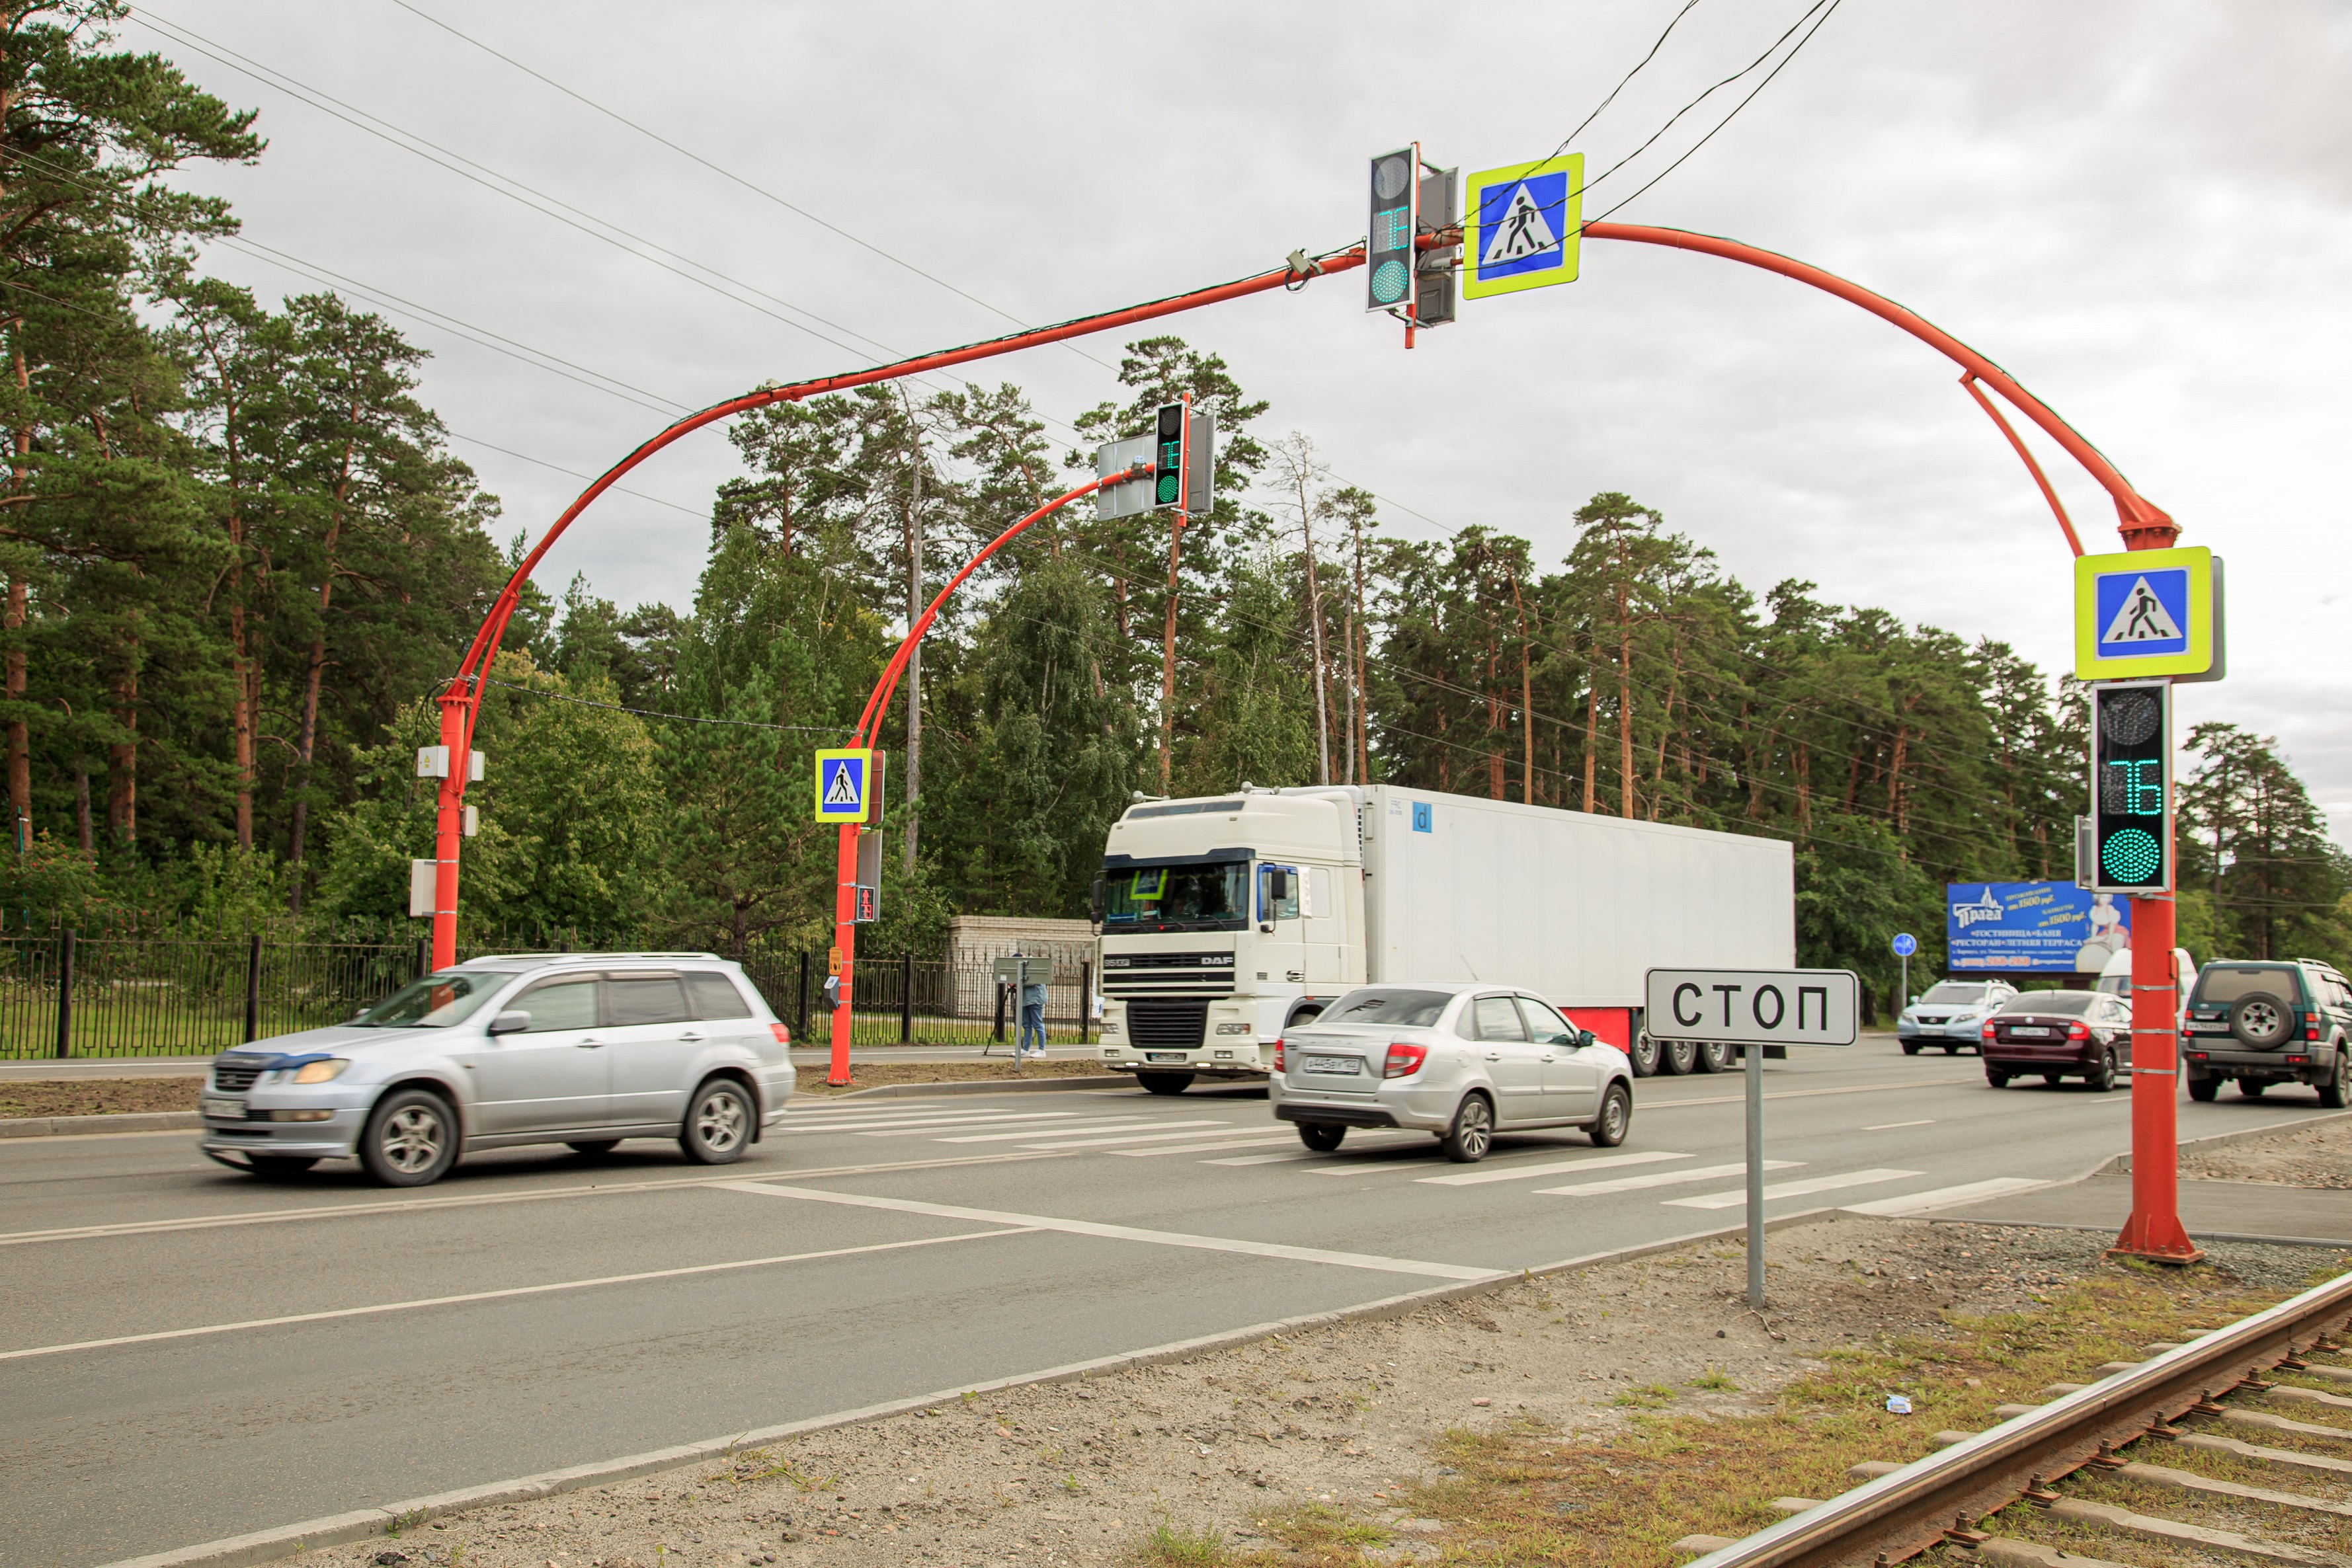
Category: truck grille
[232,1074]
[1167,974]
[1167,1026]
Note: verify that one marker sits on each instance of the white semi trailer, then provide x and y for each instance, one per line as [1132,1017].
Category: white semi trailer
[1228,918]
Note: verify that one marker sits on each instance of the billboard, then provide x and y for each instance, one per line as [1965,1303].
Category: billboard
[2038,927]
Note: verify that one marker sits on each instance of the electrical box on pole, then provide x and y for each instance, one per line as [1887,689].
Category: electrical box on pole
[1437,271]
[2131,786]
[1388,249]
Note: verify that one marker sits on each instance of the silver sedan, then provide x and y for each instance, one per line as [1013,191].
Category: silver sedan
[1463,1062]
[578,1048]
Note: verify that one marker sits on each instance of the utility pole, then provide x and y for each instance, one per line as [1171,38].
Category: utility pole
[1301,470]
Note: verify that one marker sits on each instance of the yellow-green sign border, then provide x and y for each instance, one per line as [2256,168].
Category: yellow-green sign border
[1571,231]
[866,792]
[2197,659]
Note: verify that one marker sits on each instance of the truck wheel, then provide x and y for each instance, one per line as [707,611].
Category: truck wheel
[1714,1056]
[1165,1082]
[1680,1056]
[1473,1133]
[1320,1137]
[2331,1094]
[1616,1118]
[1645,1057]
[2204,1086]
[2102,1077]
[411,1139]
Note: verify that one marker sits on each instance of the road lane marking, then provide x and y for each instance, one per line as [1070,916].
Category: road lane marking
[1890,1127]
[1135,1136]
[1793,1188]
[913,1126]
[511,1292]
[1549,1167]
[486,1200]
[1260,1140]
[1025,1125]
[1948,1197]
[915,1119]
[1124,1232]
[1133,1125]
[1661,1178]
[1799,1093]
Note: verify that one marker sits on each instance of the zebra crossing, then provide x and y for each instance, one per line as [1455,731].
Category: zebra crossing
[1234,1142]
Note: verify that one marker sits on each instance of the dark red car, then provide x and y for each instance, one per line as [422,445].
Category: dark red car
[2058,1034]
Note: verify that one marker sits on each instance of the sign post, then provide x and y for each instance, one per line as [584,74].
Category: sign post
[1905,945]
[1753,1009]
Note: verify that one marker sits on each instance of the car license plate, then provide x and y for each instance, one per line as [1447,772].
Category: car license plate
[1938,1030]
[2027,1032]
[1338,1066]
[1163,1056]
[2209,1029]
[223,1110]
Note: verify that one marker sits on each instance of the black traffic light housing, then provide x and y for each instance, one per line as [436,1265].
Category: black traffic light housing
[2131,786]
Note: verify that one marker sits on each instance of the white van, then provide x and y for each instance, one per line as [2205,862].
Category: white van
[2115,980]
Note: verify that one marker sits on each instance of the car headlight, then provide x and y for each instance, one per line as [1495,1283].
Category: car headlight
[325,1071]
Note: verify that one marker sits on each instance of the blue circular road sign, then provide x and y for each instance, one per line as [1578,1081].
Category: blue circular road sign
[1905,944]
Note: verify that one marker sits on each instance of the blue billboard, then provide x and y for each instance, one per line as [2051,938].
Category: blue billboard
[2039,927]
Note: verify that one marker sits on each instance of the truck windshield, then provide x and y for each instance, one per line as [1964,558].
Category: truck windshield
[1378,1005]
[1205,898]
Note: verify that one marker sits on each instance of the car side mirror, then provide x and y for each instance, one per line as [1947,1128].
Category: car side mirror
[1101,892]
[1583,1038]
[1915,1001]
[1278,885]
[511,1023]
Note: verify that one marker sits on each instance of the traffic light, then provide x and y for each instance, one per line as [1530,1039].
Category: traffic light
[1168,455]
[1389,251]
[1185,454]
[2131,786]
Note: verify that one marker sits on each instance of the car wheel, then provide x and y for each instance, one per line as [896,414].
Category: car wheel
[1645,1057]
[1472,1132]
[2204,1086]
[596,1148]
[2331,1094]
[278,1167]
[1680,1056]
[1165,1082]
[1616,1118]
[2252,1088]
[1998,1080]
[1320,1137]
[2102,1077]
[717,1124]
[1714,1056]
[2261,1021]
[1910,1048]
[411,1139]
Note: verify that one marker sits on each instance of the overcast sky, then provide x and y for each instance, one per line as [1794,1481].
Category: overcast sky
[2143,211]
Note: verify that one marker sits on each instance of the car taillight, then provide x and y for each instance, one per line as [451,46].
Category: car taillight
[2311,1026]
[1277,1056]
[1405,1060]
[783,1036]
[2078,1030]
[1988,1031]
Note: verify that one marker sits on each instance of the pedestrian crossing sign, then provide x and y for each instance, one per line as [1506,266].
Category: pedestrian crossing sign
[2148,612]
[1522,224]
[842,780]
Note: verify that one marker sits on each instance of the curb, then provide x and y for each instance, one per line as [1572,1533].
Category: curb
[2120,1165]
[2110,1230]
[120,1121]
[977,1086]
[341,1529]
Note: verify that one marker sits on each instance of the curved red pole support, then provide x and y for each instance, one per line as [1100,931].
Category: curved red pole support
[461,699]
[877,702]
[2073,542]
[2143,524]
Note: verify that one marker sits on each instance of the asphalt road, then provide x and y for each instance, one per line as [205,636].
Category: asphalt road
[190,1353]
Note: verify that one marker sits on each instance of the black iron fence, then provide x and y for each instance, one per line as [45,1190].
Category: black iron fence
[67,994]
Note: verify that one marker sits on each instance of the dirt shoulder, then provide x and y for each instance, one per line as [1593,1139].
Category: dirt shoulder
[95,1096]
[1539,1422]
[2316,1154]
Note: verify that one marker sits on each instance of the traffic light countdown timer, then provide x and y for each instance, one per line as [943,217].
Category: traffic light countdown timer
[2131,786]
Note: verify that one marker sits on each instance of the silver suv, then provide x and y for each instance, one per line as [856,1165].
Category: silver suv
[585,1048]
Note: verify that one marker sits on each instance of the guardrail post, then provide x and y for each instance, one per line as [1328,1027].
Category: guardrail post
[422,970]
[800,1030]
[907,997]
[253,987]
[999,1033]
[1086,1003]
[65,993]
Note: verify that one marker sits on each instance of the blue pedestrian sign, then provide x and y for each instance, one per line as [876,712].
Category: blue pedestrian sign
[1521,226]
[1905,943]
[842,779]
[2148,614]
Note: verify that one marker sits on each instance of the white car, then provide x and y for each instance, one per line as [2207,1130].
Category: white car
[1463,1061]
[1951,1014]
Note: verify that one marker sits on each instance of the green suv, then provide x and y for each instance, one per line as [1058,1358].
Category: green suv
[2284,1021]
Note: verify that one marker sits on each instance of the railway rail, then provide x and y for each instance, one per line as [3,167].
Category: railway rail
[2196,1395]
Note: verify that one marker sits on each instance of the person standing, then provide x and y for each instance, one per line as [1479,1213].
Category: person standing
[1032,1014]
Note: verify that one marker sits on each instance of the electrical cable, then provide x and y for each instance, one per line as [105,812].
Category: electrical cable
[653,713]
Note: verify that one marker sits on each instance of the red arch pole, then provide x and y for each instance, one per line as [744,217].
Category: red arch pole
[877,702]
[461,700]
[2153,1229]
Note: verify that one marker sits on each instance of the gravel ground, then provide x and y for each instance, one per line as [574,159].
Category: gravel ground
[1080,1471]
[96,1096]
[2316,1154]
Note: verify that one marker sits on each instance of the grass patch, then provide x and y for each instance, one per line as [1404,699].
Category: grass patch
[870,1074]
[1171,1546]
[96,1096]
[1530,1494]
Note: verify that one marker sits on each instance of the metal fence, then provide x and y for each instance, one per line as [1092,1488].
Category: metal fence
[112,994]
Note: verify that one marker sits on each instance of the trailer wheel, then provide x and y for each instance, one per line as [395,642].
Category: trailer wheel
[1680,1058]
[1714,1056]
[1645,1057]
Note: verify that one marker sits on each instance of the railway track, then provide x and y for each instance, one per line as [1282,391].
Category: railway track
[2201,1396]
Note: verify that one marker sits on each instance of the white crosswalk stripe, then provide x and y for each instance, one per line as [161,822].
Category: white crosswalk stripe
[1550,1167]
[1107,1125]
[1948,1196]
[923,1123]
[1135,1135]
[1062,1119]
[1659,1179]
[1289,1141]
[1793,1188]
